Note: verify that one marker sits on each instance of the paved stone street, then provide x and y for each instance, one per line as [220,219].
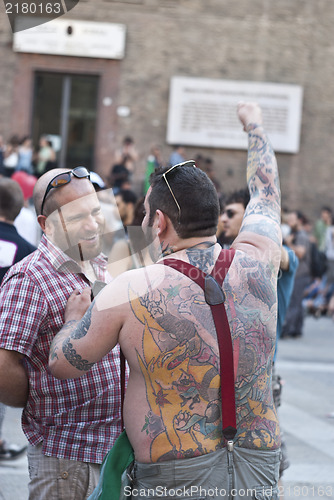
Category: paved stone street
[307,368]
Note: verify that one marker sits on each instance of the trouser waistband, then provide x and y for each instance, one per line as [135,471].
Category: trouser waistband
[175,467]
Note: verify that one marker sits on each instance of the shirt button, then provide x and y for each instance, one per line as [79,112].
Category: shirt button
[64,475]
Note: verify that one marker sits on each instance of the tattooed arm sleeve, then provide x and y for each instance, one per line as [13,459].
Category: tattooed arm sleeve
[80,344]
[260,229]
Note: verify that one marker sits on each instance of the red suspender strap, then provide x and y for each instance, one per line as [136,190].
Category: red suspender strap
[214,296]
[122,368]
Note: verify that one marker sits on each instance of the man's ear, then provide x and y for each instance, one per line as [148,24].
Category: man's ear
[41,219]
[161,221]
[45,224]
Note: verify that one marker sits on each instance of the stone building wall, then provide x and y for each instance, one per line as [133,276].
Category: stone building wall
[289,41]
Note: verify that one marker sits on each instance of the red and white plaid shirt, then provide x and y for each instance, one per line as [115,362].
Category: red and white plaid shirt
[77,419]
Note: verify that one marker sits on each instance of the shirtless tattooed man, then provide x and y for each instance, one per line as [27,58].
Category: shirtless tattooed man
[160,318]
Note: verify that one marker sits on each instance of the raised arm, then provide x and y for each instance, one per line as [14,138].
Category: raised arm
[89,333]
[260,233]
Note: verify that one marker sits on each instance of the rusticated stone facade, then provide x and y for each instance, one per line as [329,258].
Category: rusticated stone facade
[290,41]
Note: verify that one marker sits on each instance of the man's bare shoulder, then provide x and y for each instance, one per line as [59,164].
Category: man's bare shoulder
[117,293]
[141,278]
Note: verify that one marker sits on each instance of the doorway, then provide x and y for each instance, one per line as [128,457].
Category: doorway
[65,109]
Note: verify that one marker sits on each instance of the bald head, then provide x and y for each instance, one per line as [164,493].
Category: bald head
[41,186]
[57,197]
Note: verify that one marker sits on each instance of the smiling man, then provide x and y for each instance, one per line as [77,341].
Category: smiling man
[70,425]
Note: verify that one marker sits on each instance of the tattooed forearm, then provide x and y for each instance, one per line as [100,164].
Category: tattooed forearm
[75,359]
[83,326]
[53,353]
[72,330]
[69,326]
[262,174]
[66,331]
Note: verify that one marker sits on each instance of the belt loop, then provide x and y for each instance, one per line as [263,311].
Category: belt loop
[230,445]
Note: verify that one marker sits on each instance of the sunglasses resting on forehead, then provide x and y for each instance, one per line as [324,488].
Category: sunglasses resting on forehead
[189,163]
[63,179]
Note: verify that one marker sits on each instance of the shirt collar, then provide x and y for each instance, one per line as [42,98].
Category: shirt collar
[63,263]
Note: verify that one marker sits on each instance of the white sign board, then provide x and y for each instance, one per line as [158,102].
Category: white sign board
[72,38]
[202,112]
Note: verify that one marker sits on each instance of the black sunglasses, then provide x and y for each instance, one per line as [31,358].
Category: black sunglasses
[65,178]
[189,163]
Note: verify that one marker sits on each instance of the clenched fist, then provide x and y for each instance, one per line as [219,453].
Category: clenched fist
[249,112]
[77,304]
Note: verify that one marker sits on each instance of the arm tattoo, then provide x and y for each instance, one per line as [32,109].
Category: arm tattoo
[83,327]
[75,330]
[53,354]
[75,359]
[265,207]
[262,174]
[67,329]
[263,229]
[263,184]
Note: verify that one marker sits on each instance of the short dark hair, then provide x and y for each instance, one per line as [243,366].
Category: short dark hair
[128,140]
[222,202]
[24,138]
[326,208]
[128,196]
[301,216]
[11,199]
[196,196]
[139,212]
[240,196]
[118,175]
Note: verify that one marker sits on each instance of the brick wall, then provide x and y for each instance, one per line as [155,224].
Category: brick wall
[290,41]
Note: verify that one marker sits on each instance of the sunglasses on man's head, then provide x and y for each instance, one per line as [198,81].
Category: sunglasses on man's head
[63,179]
[189,163]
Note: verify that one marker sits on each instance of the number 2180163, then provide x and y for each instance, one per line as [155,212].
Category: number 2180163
[34,8]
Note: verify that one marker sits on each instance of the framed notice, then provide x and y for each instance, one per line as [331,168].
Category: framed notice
[202,112]
[70,38]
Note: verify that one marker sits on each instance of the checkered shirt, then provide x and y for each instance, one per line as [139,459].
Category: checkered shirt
[77,419]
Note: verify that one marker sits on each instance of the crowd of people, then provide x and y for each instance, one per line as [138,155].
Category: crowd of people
[18,154]
[87,285]
[312,244]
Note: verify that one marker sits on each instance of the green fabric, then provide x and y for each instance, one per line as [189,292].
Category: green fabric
[319,232]
[115,462]
[150,167]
